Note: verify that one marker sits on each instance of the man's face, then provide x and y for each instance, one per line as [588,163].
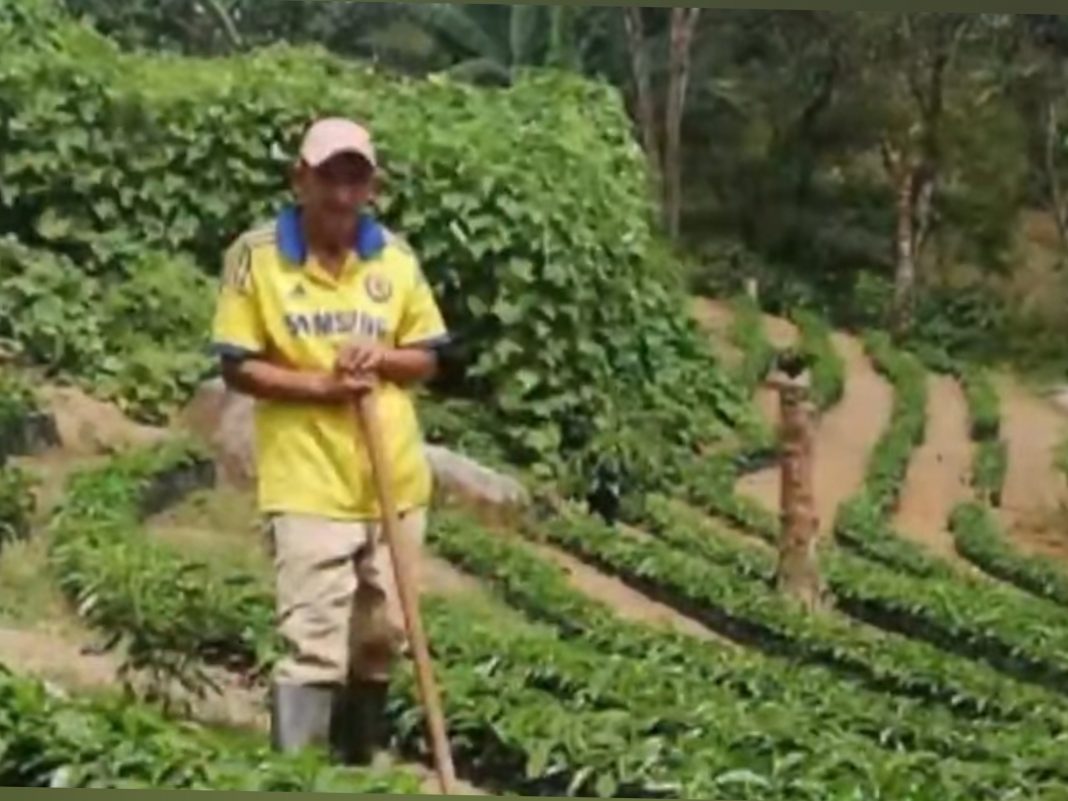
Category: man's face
[333,193]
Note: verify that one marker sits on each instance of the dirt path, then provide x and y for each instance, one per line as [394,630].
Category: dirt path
[65,662]
[845,436]
[938,474]
[1032,427]
[1034,490]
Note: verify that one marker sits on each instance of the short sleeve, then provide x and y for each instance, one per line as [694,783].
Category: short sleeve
[237,329]
[421,323]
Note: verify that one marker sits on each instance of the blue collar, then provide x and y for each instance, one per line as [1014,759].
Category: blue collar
[370,236]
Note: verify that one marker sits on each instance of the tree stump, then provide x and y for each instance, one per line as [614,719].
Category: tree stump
[798,572]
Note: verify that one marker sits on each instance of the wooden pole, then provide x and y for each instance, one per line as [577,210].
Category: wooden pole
[798,573]
[408,591]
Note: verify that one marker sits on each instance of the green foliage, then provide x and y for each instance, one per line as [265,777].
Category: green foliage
[17,504]
[828,369]
[913,592]
[990,463]
[465,426]
[700,685]
[53,741]
[959,322]
[136,337]
[18,403]
[709,485]
[921,596]
[889,459]
[984,407]
[719,692]
[1060,456]
[560,315]
[729,588]
[980,539]
[113,575]
[748,335]
[989,467]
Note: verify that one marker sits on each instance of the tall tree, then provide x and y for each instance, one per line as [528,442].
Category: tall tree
[915,54]
[1038,69]
[665,99]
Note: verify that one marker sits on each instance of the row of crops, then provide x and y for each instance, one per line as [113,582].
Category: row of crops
[893,583]
[555,695]
[548,693]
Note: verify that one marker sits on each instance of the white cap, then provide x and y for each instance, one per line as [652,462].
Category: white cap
[329,137]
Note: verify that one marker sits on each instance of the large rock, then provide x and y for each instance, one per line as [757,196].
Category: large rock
[1059,396]
[466,480]
[224,421]
[85,425]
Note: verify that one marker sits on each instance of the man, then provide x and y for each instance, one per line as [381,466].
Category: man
[315,308]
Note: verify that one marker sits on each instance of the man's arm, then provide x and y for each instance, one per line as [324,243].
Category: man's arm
[268,381]
[241,340]
[405,365]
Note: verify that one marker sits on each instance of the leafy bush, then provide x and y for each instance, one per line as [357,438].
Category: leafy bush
[980,539]
[702,691]
[965,322]
[984,408]
[988,470]
[889,460]
[801,695]
[17,504]
[52,741]
[1060,456]
[828,369]
[136,338]
[114,576]
[729,587]
[17,402]
[748,335]
[527,207]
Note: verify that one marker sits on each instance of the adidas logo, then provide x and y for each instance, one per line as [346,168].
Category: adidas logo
[298,291]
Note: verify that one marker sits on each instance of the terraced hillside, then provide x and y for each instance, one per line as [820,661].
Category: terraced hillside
[618,636]
[657,646]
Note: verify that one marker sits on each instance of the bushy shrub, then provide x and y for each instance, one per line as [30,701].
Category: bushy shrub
[137,338]
[527,207]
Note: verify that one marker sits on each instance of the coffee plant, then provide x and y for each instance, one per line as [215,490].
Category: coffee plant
[526,206]
[135,337]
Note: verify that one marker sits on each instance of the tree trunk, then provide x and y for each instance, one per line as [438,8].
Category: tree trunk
[562,51]
[226,23]
[639,64]
[798,572]
[1056,191]
[904,252]
[683,23]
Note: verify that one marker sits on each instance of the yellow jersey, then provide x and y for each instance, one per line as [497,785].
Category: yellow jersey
[277,302]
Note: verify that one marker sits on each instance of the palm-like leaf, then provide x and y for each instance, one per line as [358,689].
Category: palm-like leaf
[458,26]
[526,33]
[481,70]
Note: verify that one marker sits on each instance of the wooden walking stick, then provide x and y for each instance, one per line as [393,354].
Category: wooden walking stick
[408,592]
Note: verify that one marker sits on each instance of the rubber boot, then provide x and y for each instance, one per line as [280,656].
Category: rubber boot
[300,716]
[359,731]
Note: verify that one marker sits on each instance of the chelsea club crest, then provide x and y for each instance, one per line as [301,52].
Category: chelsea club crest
[378,287]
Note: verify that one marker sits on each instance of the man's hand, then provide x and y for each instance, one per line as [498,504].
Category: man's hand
[400,366]
[263,379]
[361,356]
[346,386]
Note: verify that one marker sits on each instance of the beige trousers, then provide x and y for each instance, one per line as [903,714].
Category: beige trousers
[337,603]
